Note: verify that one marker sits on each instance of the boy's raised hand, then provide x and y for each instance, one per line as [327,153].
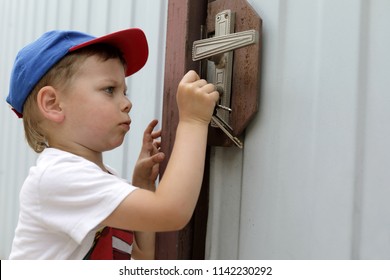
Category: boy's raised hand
[147,166]
[196,99]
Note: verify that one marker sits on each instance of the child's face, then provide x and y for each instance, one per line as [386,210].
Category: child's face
[95,106]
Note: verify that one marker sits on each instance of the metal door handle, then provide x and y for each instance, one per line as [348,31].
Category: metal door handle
[221,44]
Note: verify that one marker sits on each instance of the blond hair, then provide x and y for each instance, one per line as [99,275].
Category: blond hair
[59,76]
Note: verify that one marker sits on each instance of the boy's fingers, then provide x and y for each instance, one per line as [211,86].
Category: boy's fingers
[149,134]
[214,95]
[156,134]
[200,83]
[148,163]
[157,144]
[155,159]
[150,127]
[159,157]
[209,88]
[190,76]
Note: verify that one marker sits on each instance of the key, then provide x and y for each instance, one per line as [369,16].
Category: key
[224,108]
[220,124]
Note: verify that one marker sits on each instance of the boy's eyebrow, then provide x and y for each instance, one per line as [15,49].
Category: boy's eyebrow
[114,81]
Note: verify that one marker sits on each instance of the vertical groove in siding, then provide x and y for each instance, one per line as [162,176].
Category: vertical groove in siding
[361,124]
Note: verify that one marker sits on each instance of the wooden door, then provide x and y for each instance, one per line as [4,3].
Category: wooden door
[185,17]
[188,21]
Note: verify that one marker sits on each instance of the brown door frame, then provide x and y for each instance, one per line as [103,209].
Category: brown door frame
[185,18]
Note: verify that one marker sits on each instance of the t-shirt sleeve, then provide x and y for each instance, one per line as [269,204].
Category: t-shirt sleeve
[76,196]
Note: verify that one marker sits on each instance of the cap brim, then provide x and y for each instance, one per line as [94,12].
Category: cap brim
[131,42]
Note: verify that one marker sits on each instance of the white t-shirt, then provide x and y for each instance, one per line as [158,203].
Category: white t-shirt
[62,202]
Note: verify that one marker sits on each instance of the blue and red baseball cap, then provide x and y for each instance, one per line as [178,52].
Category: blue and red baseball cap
[36,59]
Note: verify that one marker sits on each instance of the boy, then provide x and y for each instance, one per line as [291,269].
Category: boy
[69,87]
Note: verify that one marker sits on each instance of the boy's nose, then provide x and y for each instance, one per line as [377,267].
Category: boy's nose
[126,106]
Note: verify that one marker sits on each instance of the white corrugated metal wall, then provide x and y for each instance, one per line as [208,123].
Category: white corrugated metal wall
[313,179]
[21,21]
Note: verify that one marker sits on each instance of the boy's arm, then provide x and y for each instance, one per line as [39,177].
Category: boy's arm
[171,206]
[144,245]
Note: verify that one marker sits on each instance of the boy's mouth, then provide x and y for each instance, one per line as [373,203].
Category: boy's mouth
[126,125]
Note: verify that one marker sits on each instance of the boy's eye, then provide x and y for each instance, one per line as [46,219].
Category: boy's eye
[109,90]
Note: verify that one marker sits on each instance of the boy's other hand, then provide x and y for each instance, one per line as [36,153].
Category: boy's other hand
[147,166]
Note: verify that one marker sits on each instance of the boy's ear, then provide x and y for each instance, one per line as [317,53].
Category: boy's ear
[49,104]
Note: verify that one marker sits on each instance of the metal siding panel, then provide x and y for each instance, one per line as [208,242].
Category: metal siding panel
[80,15]
[223,222]
[98,17]
[306,204]
[13,152]
[375,177]
[315,179]
[22,21]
